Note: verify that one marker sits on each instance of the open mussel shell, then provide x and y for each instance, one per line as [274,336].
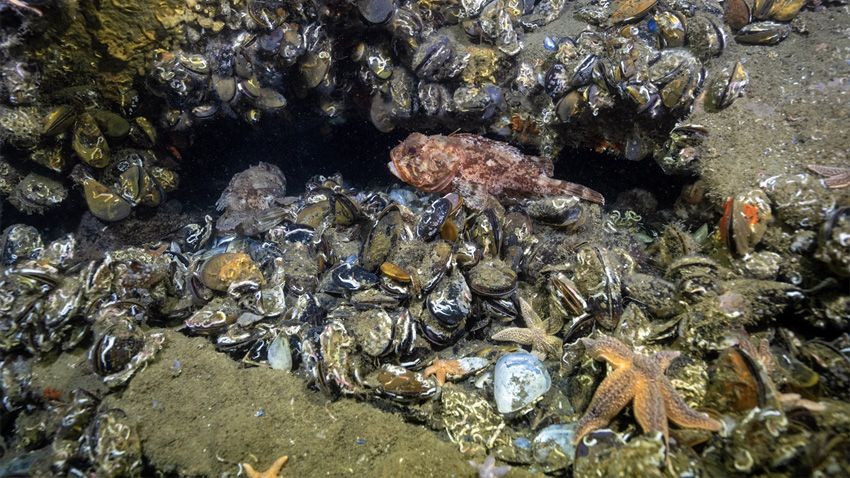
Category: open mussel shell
[744,222]
[738,382]
[567,295]
[671,28]
[346,210]
[398,383]
[376,11]
[777,10]
[382,239]
[434,217]
[493,278]
[556,83]
[570,106]
[194,62]
[314,67]
[736,13]
[678,95]
[59,119]
[315,214]
[451,300]
[142,132]
[19,242]
[224,87]
[705,38]
[728,85]
[596,274]
[485,229]
[270,99]
[834,248]
[763,33]
[395,272]
[89,143]
[564,212]
[112,125]
[627,11]
[350,277]
[104,203]
[373,330]
[222,270]
[437,333]
[115,347]
[381,113]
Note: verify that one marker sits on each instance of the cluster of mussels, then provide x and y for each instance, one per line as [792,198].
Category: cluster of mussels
[624,85]
[114,160]
[453,66]
[390,296]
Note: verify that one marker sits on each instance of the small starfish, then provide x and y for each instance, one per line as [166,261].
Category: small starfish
[835,177]
[539,333]
[442,369]
[639,379]
[488,468]
[272,472]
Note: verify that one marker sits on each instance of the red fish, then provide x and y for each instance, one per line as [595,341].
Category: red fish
[467,163]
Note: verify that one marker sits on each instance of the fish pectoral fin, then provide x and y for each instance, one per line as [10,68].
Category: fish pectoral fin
[476,197]
[546,166]
[558,187]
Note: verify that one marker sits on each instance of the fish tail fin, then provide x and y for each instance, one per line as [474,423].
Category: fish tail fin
[556,186]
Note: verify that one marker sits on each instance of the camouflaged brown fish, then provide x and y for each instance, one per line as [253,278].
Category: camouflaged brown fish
[470,164]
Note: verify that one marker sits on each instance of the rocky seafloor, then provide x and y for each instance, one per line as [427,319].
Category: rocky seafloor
[359,326]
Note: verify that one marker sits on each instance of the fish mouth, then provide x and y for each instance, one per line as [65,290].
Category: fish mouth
[394,170]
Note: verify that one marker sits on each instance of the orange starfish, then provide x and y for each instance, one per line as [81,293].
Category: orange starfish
[272,472]
[639,379]
[442,369]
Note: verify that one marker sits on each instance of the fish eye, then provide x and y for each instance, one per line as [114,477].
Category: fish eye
[412,150]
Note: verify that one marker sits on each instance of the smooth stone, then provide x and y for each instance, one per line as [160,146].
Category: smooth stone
[519,380]
[280,355]
[553,446]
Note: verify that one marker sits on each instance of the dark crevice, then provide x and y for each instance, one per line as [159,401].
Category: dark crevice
[612,176]
[303,145]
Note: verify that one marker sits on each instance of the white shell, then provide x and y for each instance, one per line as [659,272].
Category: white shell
[519,380]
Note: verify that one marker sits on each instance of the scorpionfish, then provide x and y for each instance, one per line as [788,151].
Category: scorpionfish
[473,165]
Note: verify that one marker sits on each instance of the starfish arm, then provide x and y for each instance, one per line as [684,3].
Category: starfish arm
[514,334]
[532,320]
[272,472]
[838,181]
[553,325]
[649,408]
[250,471]
[610,398]
[828,170]
[665,358]
[438,372]
[681,414]
[610,349]
[277,465]
[553,345]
